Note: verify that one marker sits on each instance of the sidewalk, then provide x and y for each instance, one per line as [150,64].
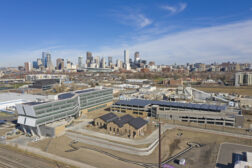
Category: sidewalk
[149,139]
[113,145]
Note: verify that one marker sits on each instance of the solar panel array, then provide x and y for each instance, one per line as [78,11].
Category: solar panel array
[65,96]
[84,91]
[33,103]
[142,103]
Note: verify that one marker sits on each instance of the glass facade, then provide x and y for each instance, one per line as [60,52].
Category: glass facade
[95,98]
[71,106]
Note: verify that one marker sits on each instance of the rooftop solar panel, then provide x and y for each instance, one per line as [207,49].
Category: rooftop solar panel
[65,96]
[85,91]
[204,106]
[189,105]
[142,103]
[213,107]
[33,103]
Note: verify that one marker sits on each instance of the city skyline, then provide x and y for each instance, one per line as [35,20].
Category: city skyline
[171,32]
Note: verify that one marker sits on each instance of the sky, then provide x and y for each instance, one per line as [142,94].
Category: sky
[164,31]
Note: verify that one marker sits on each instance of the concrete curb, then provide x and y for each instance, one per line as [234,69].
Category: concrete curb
[112,145]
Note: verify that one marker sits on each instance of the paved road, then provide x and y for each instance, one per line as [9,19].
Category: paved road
[228,152]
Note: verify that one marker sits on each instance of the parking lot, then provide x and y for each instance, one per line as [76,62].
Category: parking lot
[229,153]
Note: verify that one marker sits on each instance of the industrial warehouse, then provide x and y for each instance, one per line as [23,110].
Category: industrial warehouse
[185,112]
[39,117]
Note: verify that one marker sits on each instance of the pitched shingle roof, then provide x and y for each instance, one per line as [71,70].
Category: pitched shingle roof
[108,117]
[138,122]
[123,120]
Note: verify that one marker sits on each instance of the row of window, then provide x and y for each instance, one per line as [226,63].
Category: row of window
[86,96]
[95,98]
[95,94]
[54,104]
[54,108]
[56,116]
[70,108]
[97,103]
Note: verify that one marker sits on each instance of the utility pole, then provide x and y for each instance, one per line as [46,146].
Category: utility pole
[159,154]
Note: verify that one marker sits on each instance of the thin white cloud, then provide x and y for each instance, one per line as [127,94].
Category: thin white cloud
[174,9]
[142,20]
[133,18]
[229,42]
[136,20]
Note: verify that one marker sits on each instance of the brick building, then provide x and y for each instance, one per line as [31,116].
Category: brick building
[125,125]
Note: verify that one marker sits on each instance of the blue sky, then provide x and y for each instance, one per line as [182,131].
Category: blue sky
[166,31]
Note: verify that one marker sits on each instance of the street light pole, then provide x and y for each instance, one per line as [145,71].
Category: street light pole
[159,154]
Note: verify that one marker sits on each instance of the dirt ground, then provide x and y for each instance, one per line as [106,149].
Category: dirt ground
[213,127]
[242,90]
[2,114]
[206,156]
[60,145]
[20,158]
[172,143]
[100,112]
[150,129]
[247,121]
[4,131]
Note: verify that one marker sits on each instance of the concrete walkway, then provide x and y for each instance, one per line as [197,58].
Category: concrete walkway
[112,145]
[149,139]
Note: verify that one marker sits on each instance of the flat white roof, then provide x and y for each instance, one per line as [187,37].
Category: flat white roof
[249,157]
[11,97]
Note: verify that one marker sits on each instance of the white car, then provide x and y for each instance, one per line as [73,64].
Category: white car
[182,162]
